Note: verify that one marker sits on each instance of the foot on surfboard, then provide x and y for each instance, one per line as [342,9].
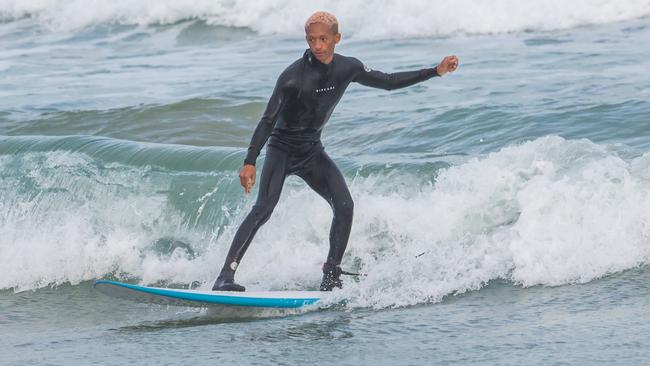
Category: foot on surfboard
[331,277]
[227,284]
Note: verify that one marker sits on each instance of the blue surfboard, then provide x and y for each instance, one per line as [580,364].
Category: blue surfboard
[198,298]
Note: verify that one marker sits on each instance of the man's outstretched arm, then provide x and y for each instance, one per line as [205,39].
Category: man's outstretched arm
[397,80]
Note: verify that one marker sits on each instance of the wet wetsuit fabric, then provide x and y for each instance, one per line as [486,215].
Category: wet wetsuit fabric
[301,104]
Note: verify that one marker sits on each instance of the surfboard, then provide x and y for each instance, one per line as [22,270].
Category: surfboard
[198,298]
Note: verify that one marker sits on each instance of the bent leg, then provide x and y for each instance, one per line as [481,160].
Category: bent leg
[270,186]
[325,178]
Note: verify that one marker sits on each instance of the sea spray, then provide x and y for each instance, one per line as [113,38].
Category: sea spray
[546,212]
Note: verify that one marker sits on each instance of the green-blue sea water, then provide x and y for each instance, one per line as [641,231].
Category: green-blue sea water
[502,213]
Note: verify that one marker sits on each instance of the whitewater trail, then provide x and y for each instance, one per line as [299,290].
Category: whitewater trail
[550,212]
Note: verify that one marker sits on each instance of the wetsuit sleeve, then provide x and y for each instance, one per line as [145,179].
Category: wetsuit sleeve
[265,126]
[396,80]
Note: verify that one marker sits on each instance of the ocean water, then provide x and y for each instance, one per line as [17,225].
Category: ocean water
[502,213]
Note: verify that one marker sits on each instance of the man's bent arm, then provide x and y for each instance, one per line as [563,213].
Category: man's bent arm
[265,126]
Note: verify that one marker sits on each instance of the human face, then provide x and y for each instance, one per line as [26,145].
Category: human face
[322,40]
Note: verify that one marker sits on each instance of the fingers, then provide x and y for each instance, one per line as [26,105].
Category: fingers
[247,181]
[249,185]
[244,183]
[448,64]
[451,63]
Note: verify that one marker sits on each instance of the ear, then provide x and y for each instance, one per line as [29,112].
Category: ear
[337,38]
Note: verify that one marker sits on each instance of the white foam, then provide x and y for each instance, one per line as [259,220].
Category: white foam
[64,220]
[359,18]
[547,212]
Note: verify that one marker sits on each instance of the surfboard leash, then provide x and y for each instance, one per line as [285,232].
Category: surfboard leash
[353,274]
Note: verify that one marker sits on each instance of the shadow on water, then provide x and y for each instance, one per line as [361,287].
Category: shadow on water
[304,323]
[215,315]
[158,325]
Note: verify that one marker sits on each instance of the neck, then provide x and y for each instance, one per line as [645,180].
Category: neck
[329,60]
[315,61]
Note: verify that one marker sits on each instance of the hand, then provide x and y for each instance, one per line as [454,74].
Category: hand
[448,64]
[247,177]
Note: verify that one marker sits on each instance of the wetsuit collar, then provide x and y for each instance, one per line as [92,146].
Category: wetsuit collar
[313,61]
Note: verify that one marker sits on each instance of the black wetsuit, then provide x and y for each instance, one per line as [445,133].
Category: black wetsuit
[301,104]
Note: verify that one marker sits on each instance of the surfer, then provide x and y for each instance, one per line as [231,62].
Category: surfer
[303,99]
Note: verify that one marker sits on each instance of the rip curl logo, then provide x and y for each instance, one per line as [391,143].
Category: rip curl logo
[367,68]
[323,90]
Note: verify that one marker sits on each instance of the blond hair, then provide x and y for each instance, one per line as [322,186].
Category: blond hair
[323,17]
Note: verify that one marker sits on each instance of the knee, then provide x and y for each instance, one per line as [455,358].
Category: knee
[262,212]
[344,208]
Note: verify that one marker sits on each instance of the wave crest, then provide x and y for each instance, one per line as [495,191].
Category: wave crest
[359,18]
[547,212]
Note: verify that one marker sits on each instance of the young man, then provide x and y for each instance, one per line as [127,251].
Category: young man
[303,100]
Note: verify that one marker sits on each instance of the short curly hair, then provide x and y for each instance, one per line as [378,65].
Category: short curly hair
[323,17]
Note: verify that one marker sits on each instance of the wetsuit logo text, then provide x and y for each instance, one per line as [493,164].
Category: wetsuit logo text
[322,90]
